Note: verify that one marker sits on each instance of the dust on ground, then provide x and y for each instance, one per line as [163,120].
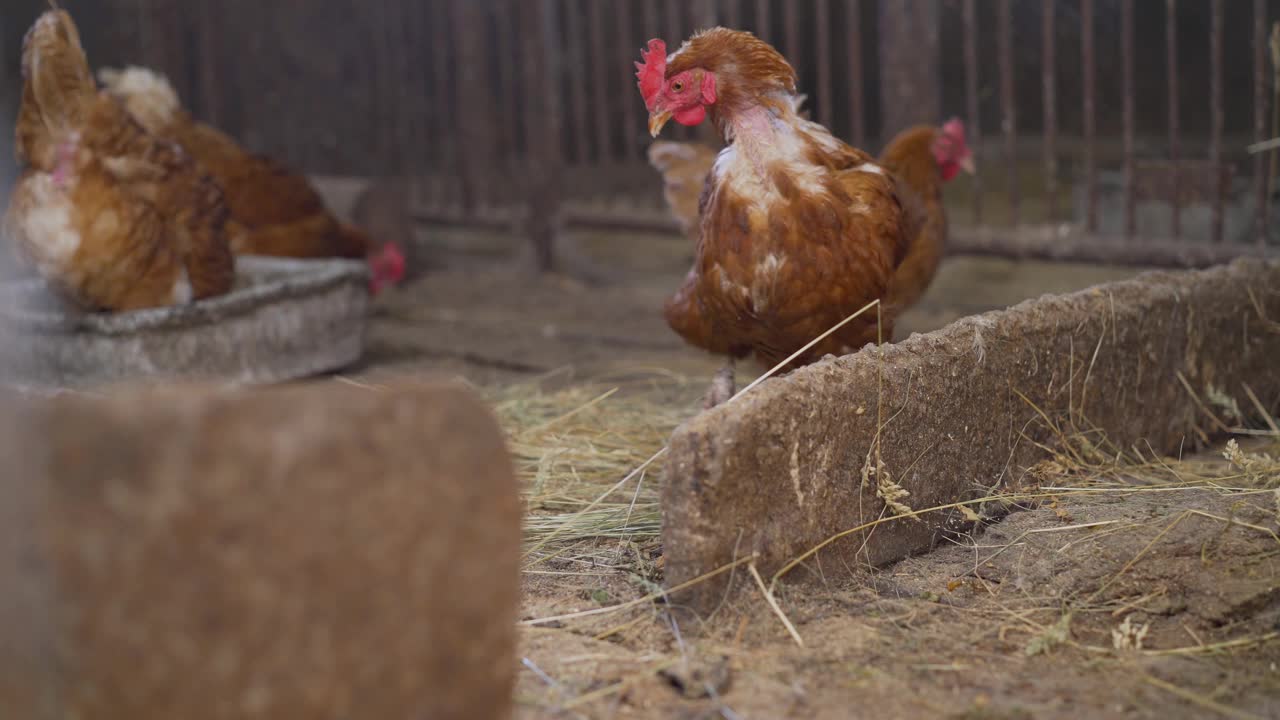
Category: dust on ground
[1139,601]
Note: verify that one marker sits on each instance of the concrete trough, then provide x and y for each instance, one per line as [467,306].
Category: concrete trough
[317,551]
[782,469]
[287,319]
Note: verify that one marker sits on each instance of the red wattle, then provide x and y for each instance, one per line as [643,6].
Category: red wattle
[691,117]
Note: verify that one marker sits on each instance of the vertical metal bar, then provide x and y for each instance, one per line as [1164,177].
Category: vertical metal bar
[600,81]
[732,14]
[1090,120]
[674,22]
[1171,45]
[971,97]
[652,28]
[1007,107]
[1260,119]
[1049,95]
[763,29]
[1126,71]
[791,29]
[853,37]
[1216,115]
[579,121]
[442,124]
[402,102]
[704,14]
[627,39]
[508,40]
[826,98]
[544,177]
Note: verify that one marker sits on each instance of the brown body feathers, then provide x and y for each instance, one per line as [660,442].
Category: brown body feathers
[111,216]
[798,230]
[273,210]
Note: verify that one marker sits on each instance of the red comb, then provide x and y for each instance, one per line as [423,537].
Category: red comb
[653,71]
[387,267]
[954,128]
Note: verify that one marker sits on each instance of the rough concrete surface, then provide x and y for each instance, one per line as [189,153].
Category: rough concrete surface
[316,551]
[781,470]
[287,319]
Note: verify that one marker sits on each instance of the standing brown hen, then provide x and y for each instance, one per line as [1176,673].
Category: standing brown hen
[798,230]
[111,216]
[921,158]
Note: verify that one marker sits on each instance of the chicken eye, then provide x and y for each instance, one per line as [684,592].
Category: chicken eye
[677,86]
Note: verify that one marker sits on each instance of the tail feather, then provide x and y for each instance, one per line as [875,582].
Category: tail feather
[56,71]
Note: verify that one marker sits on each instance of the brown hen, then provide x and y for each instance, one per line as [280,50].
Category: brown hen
[109,215]
[922,158]
[274,211]
[798,230]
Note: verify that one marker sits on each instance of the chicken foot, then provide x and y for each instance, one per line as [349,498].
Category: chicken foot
[722,387]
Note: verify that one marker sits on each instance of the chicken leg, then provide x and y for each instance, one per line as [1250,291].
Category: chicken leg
[722,387]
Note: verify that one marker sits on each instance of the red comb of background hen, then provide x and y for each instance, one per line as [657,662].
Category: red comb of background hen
[954,128]
[386,268]
[653,71]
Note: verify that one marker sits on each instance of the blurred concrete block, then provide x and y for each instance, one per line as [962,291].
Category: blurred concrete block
[286,319]
[958,414]
[316,551]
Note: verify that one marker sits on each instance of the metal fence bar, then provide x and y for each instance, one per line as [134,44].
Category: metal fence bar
[853,38]
[971,97]
[1216,115]
[1049,93]
[826,99]
[1008,109]
[508,40]
[544,176]
[651,27]
[600,81]
[732,14]
[764,28]
[1260,119]
[576,52]
[441,124]
[704,14]
[1126,61]
[627,38]
[791,29]
[1090,120]
[1171,47]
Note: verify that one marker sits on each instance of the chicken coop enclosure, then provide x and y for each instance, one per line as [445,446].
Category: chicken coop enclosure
[1106,130]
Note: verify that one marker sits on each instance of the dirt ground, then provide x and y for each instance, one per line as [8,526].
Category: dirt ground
[479,313]
[1135,601]
[1021,621]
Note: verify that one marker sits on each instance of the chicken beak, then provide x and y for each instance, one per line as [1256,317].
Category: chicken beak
[657,119]
[967,165]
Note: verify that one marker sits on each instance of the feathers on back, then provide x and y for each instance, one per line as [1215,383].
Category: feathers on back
[148,95]
[798,229]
